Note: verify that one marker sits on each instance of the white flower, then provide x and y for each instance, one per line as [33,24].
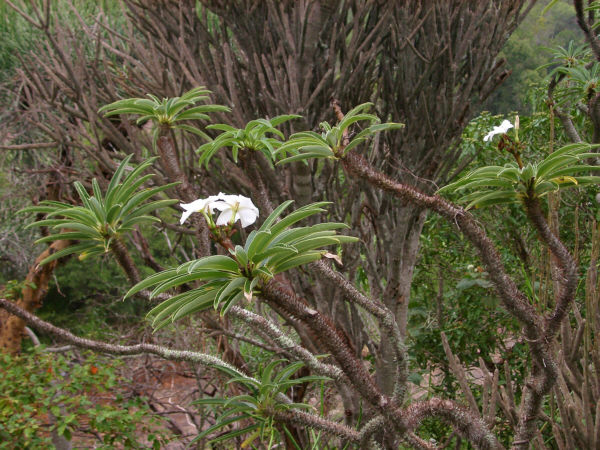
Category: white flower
[503,128]
[241,206]
[236,207]
[199,205]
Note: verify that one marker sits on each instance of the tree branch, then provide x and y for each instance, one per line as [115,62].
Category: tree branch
[113,349]
[386,320]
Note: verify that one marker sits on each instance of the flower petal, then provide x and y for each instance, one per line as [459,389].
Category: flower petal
[185,216]
[501,129]
[224,217]
[247,216]
[196,205]
[245,202]
[505,126]
[219,205]
[228,198]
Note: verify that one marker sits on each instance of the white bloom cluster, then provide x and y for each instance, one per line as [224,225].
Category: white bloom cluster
[232,207]
[503,128]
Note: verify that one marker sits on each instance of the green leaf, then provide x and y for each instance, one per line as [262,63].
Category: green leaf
[296,261]
[70,235]
[192,113]
[152,206]
[151,281]
[588,180]
[312,244]
[283,118]
[274,216]
[290,236]
[162,314]
[353,143]
[302,157]
[256,241]
[44,207]
[230,301]
[132,221]
[97,192]
[480,200]
[77,248]
[79,214]
[289,370]
[322,150]
[122,193]
[546,186]
[552,163]
[276,251]
[140,197]
[129,110]
[220,127]
[345,124]
[296,216]
[240,255]
[220,424]
[96,207]
[165,316]
[262,271]
[83,195]
[267,371]
[158,309]
[509,173]
[214,262]
[199,303]
[46,223]
[572,170]
[68,225]
[353,113]
[178,280]
[309,379]
[235,433]
[488,182]
[234,285]
[489,172]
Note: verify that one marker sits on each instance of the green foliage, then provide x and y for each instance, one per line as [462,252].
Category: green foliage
[467,311]
[14,39]
[168,112]
[85,298]
[19,37]
[102,218]
[273,248]
[336,141]
[512,184]
[568,57]
[470,316]
[258,405]
[38,385]
[253,137]
[13,288]
[527,50]
[584,81]
[576,65]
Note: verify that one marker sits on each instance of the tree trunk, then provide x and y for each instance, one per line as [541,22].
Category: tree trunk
[396,296]
[32,295]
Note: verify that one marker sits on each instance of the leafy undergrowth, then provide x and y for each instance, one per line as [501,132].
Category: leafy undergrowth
[81,399]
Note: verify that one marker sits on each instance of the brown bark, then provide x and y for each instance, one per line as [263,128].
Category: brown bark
[36,286]
[170,162]
[124,260]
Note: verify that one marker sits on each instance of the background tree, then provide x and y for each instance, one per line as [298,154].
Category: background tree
[265,73]
[423,64]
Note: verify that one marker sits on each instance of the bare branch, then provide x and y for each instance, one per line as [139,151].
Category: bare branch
[113,349]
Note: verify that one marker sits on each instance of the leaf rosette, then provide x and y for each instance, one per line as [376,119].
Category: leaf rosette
[227,279]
